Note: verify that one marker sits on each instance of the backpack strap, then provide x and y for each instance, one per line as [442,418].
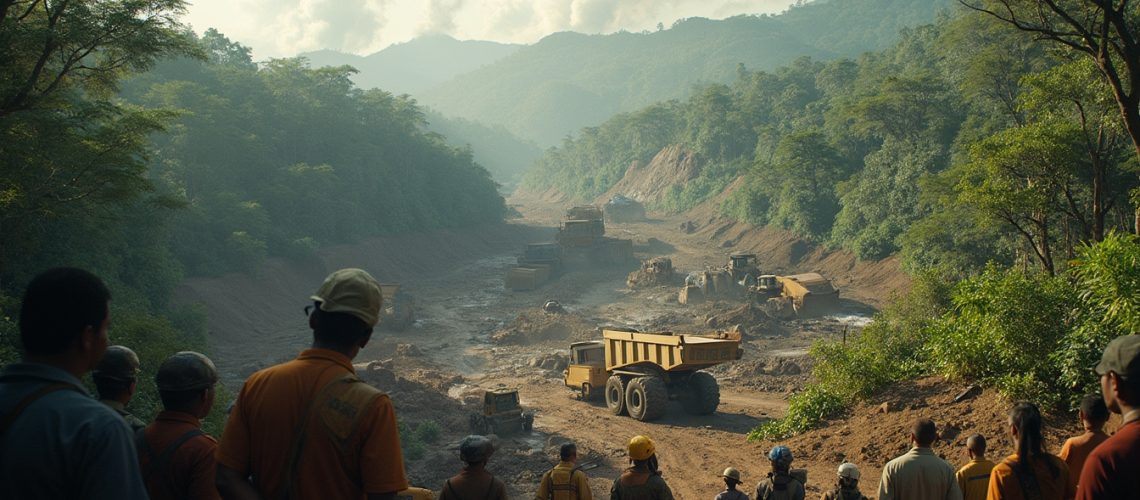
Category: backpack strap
[14,415]
[490,488]
[162,461]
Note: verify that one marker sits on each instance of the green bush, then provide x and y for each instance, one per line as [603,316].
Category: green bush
[805,410]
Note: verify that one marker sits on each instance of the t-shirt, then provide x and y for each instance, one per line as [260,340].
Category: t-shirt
[66,444]
[731,495]
[1112,470]
[189,473]
[1077,449]
[780,487]
[478,485]
[1051,473]
[259,435]
[974,479]
[919,474]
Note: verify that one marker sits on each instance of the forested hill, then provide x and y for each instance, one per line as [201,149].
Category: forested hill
[566,81]
[417,65]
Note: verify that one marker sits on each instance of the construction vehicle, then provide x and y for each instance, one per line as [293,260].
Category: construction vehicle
[399,308]
[639,373]
[543,254]
[808,293]
[501,414]
[742,265]
[653,272]
[623,209]
[582,227]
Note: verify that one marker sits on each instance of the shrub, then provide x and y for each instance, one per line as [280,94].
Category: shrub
[805,410]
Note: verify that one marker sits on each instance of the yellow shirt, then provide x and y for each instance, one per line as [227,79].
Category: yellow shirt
[578,488]
[974,479]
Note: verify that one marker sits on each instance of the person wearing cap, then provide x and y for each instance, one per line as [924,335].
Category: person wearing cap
[920,473]
[1110,470]
[474,482]
[974,477]
[731,478]
[780,484]
[115,381]
[309,428]
[176,457]
[56,441]
[848,484]
[565,481]
[642,481]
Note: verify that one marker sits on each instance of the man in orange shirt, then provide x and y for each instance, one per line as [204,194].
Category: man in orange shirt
[177,458]
[1093,414]
[309,428]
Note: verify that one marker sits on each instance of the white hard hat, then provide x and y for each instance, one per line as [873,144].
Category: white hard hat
[849,471]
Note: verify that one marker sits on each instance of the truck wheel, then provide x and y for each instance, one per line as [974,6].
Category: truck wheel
[528,422]
[702,395]
[615,395]
[646,398]
[589,393]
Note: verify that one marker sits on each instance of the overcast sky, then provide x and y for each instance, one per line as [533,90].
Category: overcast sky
[278,28]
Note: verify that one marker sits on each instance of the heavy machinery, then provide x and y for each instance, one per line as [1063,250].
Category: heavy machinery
[639,373]
[501,413]
[582,227]
[742,265]
[539,263]
[653,272]
[399,308]
[624,209]
[808,293]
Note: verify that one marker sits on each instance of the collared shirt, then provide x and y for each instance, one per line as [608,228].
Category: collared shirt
[1050,473]
[974,479]
[65,445]
[580,490]
[190,472]
[259,435]
[134,422]
[919,475]
[1111,471]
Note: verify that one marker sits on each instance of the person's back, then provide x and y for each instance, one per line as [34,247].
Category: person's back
[565,481]
[1093,414]
[780,486]
[974,477]
[640,484]
[474,485]
[839,493]
[58,442]
[1049,476]
[919,473]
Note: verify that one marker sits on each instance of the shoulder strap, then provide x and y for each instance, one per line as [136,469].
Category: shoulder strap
[23,405]
[490,488]
[162,461]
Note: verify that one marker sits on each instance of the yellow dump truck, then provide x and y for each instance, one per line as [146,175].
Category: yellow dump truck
[639,373]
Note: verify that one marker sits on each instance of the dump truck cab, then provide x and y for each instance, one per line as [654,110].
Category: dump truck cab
[501,413]
[587,369]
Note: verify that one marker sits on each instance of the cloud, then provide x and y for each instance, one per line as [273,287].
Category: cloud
[277,28]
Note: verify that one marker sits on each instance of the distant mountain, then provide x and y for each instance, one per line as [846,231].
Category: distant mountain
[503,154]
[566,81]
[409,68]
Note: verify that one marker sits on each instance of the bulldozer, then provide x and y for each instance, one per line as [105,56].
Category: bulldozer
[399,308]
[501,414]
[806,294]
[639,373]
[742,265]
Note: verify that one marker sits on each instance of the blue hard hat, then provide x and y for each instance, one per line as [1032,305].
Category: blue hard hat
[781,455]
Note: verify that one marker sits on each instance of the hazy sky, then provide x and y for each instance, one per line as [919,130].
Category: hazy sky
[275,28]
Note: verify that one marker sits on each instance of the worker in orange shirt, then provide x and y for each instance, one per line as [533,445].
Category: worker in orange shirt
[308,428]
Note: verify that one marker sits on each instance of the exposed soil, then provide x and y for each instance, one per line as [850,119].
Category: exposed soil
[473,334]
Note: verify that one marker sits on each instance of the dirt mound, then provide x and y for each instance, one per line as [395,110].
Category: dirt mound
[533,326]
[870,438]
[673,166]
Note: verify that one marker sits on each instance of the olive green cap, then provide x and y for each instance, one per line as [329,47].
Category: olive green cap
[118,363]
[351,291]
[1121,356]
[186,371]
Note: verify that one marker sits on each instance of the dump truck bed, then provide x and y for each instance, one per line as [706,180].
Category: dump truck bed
[669,352]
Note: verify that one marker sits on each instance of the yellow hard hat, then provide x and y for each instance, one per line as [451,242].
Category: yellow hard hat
[641,448]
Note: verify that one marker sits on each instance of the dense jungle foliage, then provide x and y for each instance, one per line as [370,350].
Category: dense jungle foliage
[997,165]
[136,150]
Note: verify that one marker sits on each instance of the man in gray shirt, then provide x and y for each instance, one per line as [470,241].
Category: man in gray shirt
[919,474]
[56,441]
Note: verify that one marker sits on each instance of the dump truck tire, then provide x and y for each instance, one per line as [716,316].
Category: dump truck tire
[615,395]
[646,398]
[702,396]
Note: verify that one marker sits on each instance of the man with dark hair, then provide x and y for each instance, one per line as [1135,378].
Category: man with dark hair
[474,481]
[115,381]
[56,441]
[1093,415]
[919,473]
[309,428]
[974,477]
[1110,469]
[177,458]
[565,481]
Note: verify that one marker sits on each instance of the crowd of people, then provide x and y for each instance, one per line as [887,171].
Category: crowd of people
[309,428]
